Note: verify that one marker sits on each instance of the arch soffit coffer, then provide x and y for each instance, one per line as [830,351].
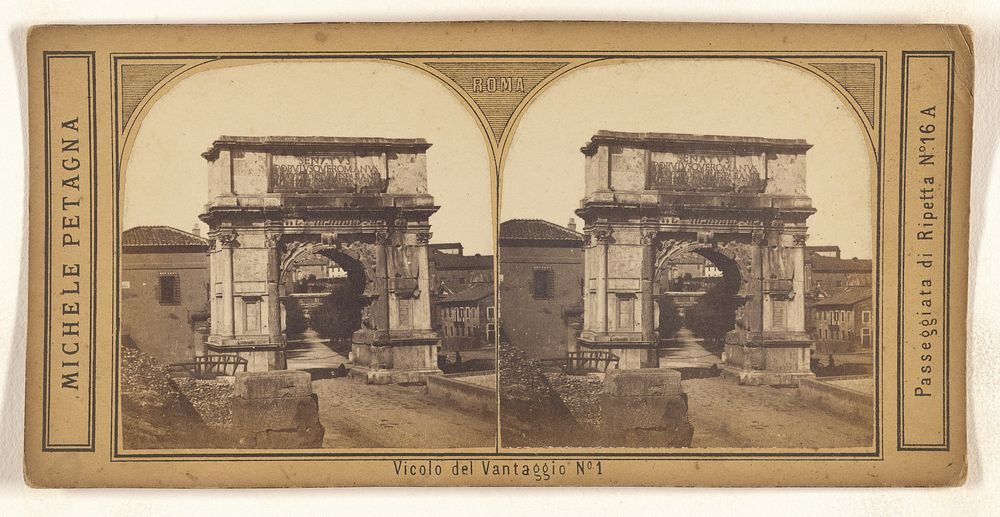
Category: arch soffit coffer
[735,250]
[360,253]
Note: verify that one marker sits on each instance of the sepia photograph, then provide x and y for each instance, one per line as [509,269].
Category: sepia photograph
[687,262]
[306,264]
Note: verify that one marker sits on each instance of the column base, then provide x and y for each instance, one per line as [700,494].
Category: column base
[632,355]
[771,358]
[407,358]
[412,376]
[764,378]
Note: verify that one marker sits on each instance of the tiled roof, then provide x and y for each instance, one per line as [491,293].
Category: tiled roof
[160,236]
[848,297]
[453,261]
[472,294]
[537,230]
[821,263]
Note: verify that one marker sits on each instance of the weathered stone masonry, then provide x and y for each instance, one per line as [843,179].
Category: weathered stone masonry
[363,202]
[739,201]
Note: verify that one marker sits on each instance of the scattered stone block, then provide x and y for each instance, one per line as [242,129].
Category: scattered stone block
[643,382]
[644,408]
[276,410]
[272,384]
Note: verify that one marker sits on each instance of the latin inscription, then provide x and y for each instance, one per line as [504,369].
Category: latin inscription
[712,172]
[347,172]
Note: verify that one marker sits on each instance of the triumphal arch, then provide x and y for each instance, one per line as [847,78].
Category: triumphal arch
[363,203]
[740,202]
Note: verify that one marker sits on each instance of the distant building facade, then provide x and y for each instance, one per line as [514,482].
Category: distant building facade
[165,287]
[541,286]
[827,274]
[454,271]
[843,322]
[467,318]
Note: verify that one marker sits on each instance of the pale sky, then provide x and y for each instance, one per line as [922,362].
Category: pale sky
[166,177]
[544,172]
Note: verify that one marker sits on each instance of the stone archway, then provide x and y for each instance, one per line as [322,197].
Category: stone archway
[740,200]
[696,303]
[275,199]
[333,307]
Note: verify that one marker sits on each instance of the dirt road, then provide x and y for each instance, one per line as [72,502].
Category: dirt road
[728,415]
[356,415]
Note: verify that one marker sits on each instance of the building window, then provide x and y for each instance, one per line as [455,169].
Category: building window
[491,313]
[866,316]
[866,337]
[491,331]
[169,289]
[543,283]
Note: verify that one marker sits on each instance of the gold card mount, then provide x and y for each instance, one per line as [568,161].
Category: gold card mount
[497,254]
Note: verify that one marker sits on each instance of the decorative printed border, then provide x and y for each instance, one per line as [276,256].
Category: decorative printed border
[48,445]
[945,444]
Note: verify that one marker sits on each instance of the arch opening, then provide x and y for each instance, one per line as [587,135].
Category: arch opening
[696,296]
[322,299]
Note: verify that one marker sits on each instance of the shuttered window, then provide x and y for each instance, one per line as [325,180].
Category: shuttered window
[169,289]
[543,283]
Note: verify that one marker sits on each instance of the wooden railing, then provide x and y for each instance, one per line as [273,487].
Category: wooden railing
[584,361]
[211,366]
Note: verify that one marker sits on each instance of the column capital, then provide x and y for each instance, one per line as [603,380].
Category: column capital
[271,239]
[424,238]
[799,239]
[381,237]
[226,238]
[648,237]
[601,235]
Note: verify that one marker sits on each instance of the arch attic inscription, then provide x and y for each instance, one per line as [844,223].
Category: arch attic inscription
[362,202]
[740,202]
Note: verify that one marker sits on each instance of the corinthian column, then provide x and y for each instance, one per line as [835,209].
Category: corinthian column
[423,320]
[271,241]
[380,309]
[646,293]
[603,237]
[227,240]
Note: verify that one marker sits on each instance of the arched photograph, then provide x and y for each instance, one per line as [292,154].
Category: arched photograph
[685,259]
[306,261]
